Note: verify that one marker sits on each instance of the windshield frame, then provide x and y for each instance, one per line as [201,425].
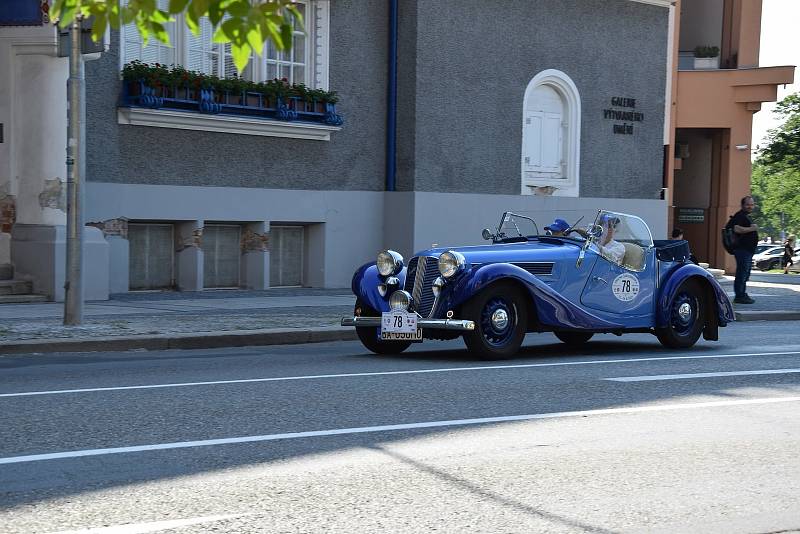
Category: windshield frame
[507,215]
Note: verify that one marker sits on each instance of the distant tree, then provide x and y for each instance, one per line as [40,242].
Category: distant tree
[776,172]
[247,25]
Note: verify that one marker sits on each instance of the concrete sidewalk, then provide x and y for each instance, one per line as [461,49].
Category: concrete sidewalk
[225,318]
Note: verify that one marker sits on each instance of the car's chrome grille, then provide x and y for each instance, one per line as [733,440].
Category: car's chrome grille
[422,271]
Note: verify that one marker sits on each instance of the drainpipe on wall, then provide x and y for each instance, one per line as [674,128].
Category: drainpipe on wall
[391,111]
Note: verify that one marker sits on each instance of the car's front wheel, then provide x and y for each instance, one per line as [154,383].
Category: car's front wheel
[500,316]
[368,335]
[574,339]
[686,317]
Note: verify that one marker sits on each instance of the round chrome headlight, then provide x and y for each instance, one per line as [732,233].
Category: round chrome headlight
[400,300]
[450,263]
[389,263]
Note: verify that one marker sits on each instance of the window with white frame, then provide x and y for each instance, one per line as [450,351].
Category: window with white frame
[551,136]
[306,62]
[155,51]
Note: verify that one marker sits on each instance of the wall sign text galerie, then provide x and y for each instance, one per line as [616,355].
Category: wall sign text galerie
[624,115]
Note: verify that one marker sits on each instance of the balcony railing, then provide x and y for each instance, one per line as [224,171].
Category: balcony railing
[209,101]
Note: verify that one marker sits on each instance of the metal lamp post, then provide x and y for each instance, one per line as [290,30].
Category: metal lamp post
[76,137]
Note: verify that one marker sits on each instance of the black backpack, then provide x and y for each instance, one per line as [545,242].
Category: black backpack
[729,237]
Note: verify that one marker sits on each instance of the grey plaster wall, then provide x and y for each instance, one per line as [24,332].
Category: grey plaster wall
[473,61]
[40,253]
[353,159]
[348,228]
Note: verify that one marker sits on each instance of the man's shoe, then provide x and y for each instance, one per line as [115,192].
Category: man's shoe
[743,300]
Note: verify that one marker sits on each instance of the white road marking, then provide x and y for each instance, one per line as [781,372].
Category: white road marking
[388,373]
[153,526]
[388,428]
[701,375]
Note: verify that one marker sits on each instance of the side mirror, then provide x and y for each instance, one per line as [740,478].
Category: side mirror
[487,234]
[596,230]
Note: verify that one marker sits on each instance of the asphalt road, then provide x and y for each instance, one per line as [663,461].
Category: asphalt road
[619,436]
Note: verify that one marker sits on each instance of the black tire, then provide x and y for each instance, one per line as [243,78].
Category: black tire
[368,335]
[491,339]
[774,265]
[574,339]
[685,323]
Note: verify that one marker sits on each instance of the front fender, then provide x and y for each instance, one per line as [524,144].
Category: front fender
[365,286]
[551,308]
[676,278]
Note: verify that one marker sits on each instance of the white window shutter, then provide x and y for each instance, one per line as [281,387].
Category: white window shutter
[200,50]
[155,51]
[551,143]
[533,140]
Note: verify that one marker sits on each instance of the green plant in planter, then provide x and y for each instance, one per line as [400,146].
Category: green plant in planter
[188,83]
[135,71]
[706,51]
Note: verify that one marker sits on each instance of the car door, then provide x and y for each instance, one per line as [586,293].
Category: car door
[616,289]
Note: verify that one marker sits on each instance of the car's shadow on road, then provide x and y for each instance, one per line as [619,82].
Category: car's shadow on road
[605,347]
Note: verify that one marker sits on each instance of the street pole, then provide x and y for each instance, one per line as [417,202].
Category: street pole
[783,230]
[73,286]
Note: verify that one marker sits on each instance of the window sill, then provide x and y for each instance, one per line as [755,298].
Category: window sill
[186,120]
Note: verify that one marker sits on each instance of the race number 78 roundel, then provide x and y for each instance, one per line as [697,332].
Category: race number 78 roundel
[625,287]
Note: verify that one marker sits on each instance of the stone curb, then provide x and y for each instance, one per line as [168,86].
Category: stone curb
[767,315]
[206,340]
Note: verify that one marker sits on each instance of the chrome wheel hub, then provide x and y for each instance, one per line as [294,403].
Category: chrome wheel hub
[499,319]
[685,311]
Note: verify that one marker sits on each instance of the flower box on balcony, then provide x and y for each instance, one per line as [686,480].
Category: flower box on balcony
[159,87]
[138,94]
[706,57]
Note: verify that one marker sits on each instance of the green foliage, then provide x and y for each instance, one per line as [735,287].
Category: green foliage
[783,143]
[706,51]
[158,75]
[247,25]
[776,172]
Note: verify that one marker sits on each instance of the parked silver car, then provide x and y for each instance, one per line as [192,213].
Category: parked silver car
[771,258]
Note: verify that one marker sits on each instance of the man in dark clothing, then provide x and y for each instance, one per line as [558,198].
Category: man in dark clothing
[746,240]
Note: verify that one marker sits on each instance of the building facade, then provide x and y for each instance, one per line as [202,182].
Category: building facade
[713,102]
[554,108]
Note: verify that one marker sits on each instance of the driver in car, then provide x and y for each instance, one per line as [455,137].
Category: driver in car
[558,228]
[609,248]
[561,228]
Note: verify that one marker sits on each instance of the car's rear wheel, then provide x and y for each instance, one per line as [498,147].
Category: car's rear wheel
[574,339]
[686,317]
[368,335]
[500,316]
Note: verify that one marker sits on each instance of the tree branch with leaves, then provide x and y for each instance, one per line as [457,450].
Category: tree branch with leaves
[246,24]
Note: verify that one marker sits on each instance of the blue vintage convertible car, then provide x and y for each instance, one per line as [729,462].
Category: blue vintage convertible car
[608,277]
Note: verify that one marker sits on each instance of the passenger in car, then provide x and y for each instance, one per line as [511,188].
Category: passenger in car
[609,248]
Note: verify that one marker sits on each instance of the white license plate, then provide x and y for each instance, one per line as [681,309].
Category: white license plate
[400,325]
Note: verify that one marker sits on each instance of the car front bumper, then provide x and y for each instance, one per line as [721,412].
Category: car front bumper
[433,324]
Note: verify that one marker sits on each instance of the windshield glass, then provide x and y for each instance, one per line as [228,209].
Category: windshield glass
[621,239]
[513,225]
[625,228]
